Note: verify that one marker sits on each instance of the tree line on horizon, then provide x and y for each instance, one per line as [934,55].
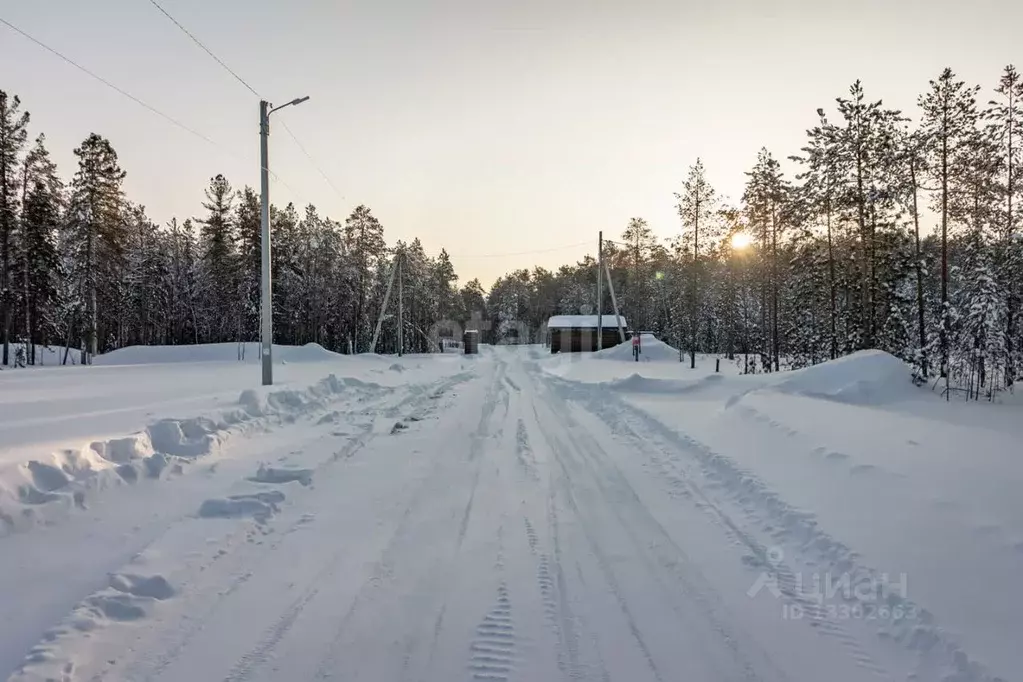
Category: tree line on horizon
[799,271]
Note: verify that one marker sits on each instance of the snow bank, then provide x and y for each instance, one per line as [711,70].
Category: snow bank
[867,377]
[38,491]
[213,352]
[848,469]
[709,387]
[652,350]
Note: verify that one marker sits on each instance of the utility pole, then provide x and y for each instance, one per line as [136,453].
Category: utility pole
[401,309]
[383,308]
[600,290]
[614,303]
[266,326]
[266,305]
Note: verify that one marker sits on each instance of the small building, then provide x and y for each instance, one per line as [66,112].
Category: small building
[576,333]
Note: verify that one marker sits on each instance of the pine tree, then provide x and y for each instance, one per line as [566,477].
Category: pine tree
[96,225]
[13,133]
[824,187]
[950,116]
[910,170]
[767,198]
[1005,117]
[636,293]
[696,206]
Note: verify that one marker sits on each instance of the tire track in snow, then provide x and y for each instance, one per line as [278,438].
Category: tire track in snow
[254,660]
[524,452]
[492,652]
[495,392]
[330,661]
[272,636]
[666,561]
[784,577]
[602,562]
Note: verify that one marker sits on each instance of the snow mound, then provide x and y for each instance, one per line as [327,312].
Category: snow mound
[153,586]
[267,474]
[213,352]
[128,598]
[868,377]
[259,506]
[640,384]
[652,349]
[39,491]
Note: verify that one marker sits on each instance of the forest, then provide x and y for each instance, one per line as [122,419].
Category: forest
[899,231]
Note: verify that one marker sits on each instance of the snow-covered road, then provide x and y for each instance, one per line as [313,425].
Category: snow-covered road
[498,523]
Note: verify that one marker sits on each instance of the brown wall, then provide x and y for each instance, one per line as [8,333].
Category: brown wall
[579,340]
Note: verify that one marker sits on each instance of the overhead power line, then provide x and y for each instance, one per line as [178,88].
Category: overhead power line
[141,103]
[107,83]
[204,48]
[311,160]
[520,253]
[241,80]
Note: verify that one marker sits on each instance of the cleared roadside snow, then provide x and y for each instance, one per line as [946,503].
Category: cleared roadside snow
[68,433]
[521,516]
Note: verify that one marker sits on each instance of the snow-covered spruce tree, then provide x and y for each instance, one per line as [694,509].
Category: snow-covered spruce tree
[364,242]
[806,299]
[144,282]
[42,202]
[13,133]
[248,231]
[40,221]
[978,357]
[96,227]
[219,262]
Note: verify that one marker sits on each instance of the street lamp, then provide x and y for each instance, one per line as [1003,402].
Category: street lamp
[266,302]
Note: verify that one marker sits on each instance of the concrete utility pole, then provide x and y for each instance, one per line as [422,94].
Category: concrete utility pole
[266,326]
[614,302]
[600,289]
[401,310]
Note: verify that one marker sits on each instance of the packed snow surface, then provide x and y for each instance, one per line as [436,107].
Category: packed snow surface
[509,516]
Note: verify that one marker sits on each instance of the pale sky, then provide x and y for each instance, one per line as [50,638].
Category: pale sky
[481,126]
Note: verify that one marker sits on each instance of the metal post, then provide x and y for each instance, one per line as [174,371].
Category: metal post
[401,311]
[600,290]
[266,303]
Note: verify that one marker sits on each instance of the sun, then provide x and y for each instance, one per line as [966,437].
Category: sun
[740,240]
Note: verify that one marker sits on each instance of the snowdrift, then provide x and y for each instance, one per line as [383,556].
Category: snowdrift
[653,350]
[641,384]
[866,377]
[213,352]
[38,490]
